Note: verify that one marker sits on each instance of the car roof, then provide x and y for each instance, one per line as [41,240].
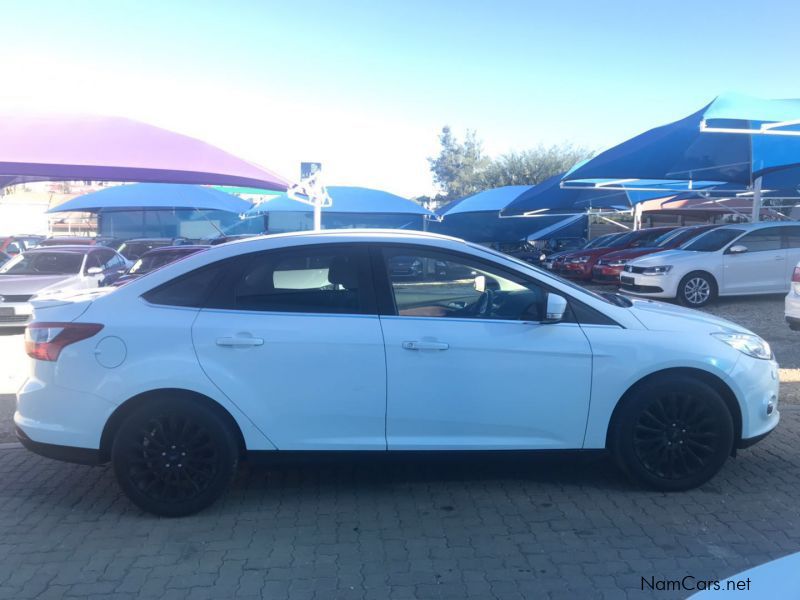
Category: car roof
[367,235]
[759,225]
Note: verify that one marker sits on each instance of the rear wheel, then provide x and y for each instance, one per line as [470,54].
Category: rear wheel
[174,457]
[673,434]
[697,289]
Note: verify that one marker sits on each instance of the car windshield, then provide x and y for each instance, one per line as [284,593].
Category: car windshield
[668,238]
[713,240]
[156,260]
[621,241]
[598,241]
[44,263]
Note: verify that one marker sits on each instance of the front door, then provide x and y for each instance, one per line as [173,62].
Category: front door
[470,365]
[762,268]
[292,338]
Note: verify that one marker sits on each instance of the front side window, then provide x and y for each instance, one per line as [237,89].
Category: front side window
[325,279]
[426,283]
[762,240]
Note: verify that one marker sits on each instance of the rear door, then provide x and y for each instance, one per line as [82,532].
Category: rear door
[293,339]
[792,243]
[761,269]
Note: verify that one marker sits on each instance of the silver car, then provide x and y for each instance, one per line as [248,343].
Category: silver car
[50,270]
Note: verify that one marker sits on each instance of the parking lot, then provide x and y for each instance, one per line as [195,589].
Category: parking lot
[549,527]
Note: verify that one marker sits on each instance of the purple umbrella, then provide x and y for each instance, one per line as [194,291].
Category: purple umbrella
[51,148]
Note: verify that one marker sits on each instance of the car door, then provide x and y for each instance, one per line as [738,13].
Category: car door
[293,339]
[469,363]
[760,269]
[792,242]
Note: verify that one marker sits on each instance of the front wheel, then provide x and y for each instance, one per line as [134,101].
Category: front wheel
[697,289]
[174,457]
[672,434]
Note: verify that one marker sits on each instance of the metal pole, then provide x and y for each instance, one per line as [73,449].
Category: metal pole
[756,215]
[318,214]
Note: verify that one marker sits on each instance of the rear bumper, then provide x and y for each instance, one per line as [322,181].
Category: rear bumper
[20,314]
[81,456]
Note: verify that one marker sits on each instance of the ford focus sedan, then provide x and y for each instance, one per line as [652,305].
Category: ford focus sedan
[314,342]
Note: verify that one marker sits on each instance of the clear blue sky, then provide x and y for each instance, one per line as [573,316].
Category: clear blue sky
[365,86]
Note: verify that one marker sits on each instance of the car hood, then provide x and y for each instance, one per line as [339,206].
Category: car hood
[630,253]
[33,284]
[666,257]
[593,252]
[660,316]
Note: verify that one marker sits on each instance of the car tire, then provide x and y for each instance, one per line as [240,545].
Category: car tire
[672,434]
[174,457]
[697,289]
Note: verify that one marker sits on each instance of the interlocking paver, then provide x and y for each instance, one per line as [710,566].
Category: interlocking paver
[422,528]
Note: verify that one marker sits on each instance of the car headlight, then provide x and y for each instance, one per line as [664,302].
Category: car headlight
[659,270]
[543,257]
[746,343]
[617,263]
[580,259]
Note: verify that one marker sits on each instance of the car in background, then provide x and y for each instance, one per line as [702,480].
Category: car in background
[224,239]
[52,270]
[549,262]
[4,258]
[133,249]
[792,302]
[157,258]
[537,251]
[579,264]
[608,268]
[731,260]
[68,241]
[165,377]
[14,244]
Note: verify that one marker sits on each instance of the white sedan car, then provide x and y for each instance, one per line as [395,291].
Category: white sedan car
[321,342]
[733,260]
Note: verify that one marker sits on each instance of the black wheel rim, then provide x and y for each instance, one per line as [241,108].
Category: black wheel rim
[173,458]
[676,436]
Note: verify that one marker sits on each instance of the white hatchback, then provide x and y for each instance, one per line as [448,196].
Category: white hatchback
[329,342]
[732,260]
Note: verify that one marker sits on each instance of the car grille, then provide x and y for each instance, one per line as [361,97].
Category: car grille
[632,269]
[14,318]
[18,298]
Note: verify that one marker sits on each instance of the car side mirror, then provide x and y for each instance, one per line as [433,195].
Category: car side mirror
[556,307]
[737,249]
[94,271]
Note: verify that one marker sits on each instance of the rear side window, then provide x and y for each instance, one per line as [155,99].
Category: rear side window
[191,289]
[328,279]
[762,240]
[792,237]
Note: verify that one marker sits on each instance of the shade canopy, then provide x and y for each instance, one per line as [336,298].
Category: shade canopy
[58,148]
[493,200]
[549,196]
[155,196]
[722,142]
[347,200]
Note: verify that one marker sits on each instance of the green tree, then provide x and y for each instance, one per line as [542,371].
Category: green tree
[530,167]
[458,168]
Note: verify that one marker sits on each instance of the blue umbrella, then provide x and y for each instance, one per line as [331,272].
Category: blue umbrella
[735,139]
[346,200]
[156,196]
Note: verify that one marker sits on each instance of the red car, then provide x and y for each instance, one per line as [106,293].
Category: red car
[609,267]
[579,264]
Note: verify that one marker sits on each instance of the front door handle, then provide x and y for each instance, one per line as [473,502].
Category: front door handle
[780,258]
[425,346]
[239,342]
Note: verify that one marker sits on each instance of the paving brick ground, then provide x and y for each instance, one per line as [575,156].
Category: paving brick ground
[509,528]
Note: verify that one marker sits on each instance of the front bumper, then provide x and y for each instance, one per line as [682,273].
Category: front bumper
[576,270]
[606,274]
[656,286]
[756,385]
[15,314]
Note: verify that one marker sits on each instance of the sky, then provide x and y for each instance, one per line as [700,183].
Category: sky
[365,87]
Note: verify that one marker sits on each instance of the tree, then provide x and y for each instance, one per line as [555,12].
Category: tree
[458,168]
[530,167]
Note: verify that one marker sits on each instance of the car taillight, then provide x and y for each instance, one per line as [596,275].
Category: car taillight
[45,341]
[796,275]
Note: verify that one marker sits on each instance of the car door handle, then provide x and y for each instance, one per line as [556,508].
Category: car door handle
[780,258]
[425,346]
[239,342]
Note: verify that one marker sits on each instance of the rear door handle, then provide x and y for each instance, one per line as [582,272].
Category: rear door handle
[425,346]
[239,342]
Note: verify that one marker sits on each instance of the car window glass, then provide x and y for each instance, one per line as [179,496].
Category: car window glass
[191,289]
[328,279]
[762,240]
[792,237]
[713,240]
[431,284]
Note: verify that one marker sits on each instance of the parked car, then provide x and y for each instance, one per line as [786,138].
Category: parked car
[579,264]
[792,302]
[733,260]
[68,241]
[306,342]
[50,270]
[135,248]
[224,239]
[157,258]
[550,261]
[537,252]
[609,267]
[14,244]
